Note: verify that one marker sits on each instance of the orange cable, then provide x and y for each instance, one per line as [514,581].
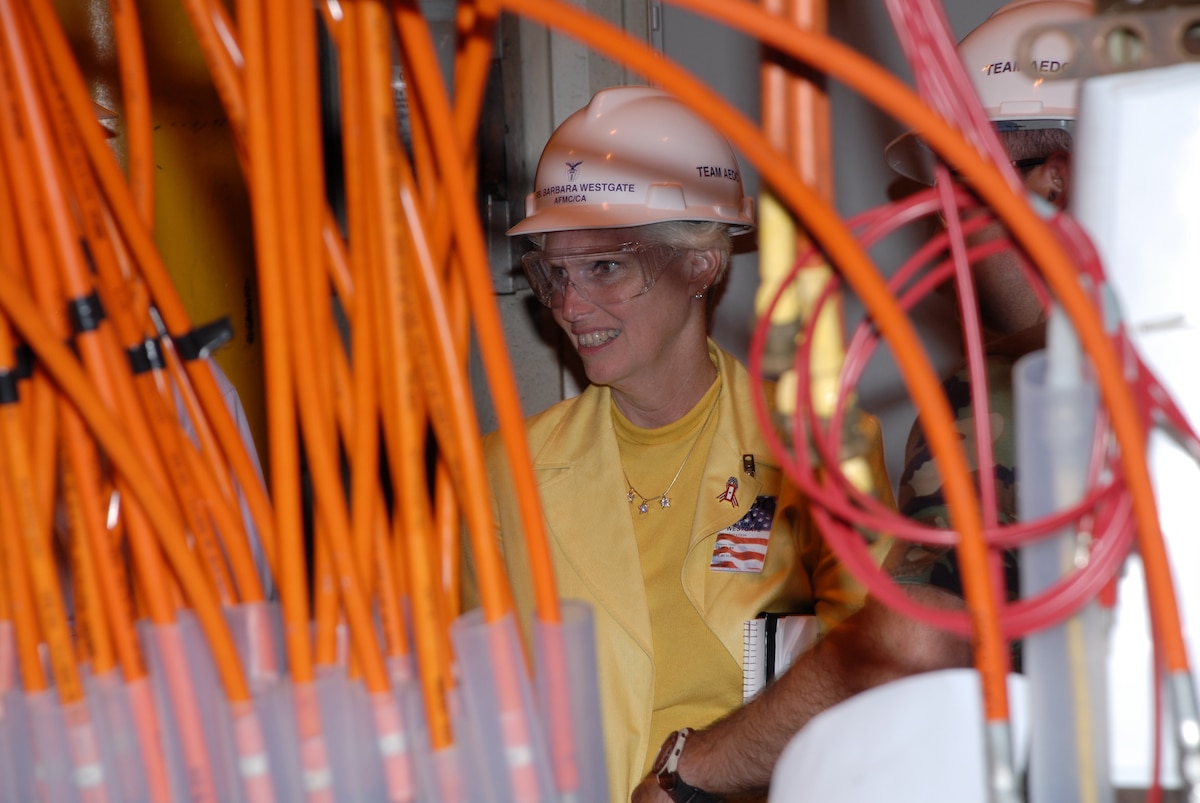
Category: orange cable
[96,344]
[20,601]
[92,628]
[330,502]
[141,399]
[113,594]
[370,248]
[146,256]
[431,97]
[21,606]
[135,95]
[326,621]
[281,411]
[476,32]
[72,381]
[449,532]
[32,539]
[17,90]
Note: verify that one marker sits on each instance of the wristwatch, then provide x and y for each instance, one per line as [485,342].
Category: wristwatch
[666,769]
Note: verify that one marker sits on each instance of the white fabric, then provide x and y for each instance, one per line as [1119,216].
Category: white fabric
[916,740]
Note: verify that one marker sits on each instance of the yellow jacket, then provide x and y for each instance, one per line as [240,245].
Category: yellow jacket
[578,471]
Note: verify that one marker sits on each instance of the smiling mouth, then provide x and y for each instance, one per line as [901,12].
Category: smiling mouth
[593,339]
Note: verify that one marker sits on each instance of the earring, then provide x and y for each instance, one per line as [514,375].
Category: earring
[701,293]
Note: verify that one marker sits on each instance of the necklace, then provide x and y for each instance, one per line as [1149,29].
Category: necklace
[664,501]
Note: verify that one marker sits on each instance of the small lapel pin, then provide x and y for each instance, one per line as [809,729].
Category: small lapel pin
[730,493]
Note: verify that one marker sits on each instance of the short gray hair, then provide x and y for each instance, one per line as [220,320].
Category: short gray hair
[696,235]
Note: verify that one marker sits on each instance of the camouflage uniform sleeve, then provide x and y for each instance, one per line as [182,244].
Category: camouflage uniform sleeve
[920,494]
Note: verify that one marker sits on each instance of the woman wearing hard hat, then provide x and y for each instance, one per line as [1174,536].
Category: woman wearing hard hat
[664,508]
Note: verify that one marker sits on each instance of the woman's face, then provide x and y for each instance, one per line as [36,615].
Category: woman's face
[625,343]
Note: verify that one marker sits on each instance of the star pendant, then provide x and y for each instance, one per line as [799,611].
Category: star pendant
[665,502]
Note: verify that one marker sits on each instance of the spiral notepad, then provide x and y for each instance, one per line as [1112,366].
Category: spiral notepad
[770,642]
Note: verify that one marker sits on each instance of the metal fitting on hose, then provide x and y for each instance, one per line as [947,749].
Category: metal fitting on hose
[1003,784]
[1187,731]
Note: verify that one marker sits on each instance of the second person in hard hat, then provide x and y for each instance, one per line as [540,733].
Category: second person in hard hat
[1034,117]
[664,507]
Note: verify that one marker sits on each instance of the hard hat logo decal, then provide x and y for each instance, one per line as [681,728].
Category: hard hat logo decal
[573,170]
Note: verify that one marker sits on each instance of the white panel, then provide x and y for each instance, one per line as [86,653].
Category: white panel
[1137,189]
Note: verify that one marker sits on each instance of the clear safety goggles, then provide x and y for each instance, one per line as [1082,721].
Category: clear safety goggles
[600,277]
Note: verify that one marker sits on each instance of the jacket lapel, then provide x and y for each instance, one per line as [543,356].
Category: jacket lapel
[716,595]
[578,473]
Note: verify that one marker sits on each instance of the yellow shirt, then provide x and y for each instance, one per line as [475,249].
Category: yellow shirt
[685,690]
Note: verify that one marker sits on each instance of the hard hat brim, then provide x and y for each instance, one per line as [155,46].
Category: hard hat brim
[910,156]
[570,218]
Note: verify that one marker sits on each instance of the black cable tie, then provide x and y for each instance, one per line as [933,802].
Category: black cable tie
[25,361]
[145,357]
[8,387]
[204,340]
[86,313]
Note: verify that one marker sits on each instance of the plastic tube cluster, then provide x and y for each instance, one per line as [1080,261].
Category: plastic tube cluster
[140,658]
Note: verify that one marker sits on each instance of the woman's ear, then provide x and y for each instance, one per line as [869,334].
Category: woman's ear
[703,269]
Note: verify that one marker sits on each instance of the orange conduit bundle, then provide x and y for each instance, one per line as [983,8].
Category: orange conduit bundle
[132,513]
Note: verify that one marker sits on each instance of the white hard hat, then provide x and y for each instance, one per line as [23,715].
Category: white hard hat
[1015,95]
[635,155]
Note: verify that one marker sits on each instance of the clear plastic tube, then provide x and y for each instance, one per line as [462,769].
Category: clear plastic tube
[112,714]
[1055,426]
[257,630]
[498,701]
[569,701]
[182,746]
[276,713]
[349,736]
[16,749]
[51,765]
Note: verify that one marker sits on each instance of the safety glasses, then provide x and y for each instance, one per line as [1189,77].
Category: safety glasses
[600,277]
